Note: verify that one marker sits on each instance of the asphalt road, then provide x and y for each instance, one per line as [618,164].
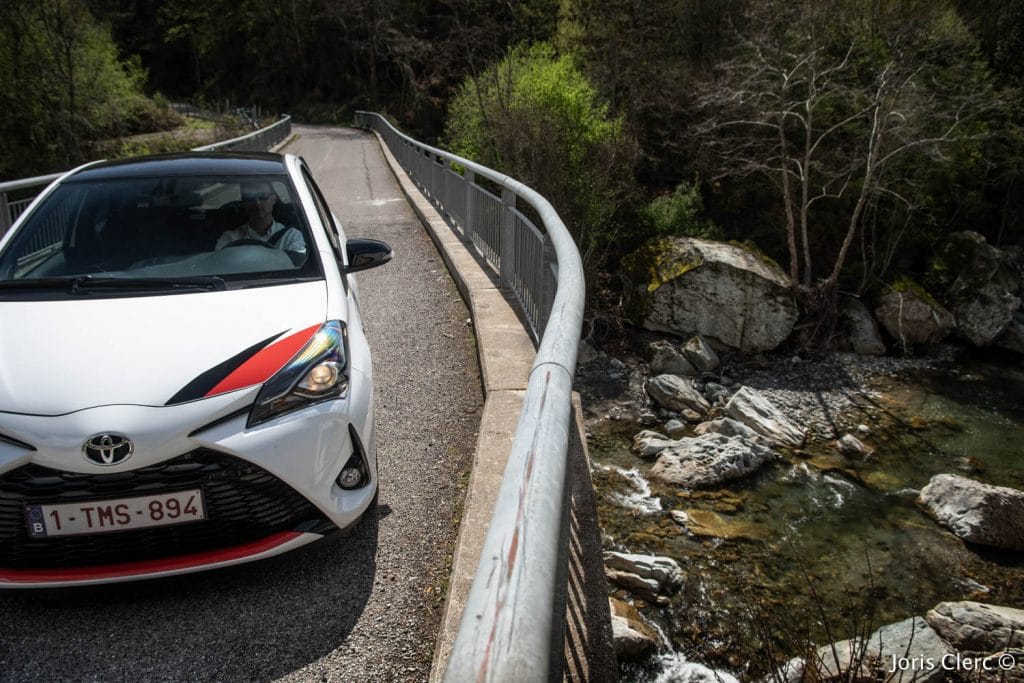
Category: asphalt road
[364,607]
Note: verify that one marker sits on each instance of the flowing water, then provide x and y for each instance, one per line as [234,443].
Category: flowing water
[823,546]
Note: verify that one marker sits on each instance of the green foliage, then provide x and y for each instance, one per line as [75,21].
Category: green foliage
[535,116]
[64,85]
[680,214]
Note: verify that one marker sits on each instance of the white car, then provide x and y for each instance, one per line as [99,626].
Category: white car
[184,379]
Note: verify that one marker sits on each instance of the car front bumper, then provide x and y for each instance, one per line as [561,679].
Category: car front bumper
[268,489]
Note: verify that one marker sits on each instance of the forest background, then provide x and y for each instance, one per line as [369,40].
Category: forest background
[842,138]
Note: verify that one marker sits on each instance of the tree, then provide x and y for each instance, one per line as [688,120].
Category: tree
[535,116]
[843,114]
[64,84]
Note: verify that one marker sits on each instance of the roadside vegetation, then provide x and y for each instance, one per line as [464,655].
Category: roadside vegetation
[843,139]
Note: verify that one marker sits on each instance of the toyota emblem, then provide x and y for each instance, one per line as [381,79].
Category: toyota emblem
[108,449]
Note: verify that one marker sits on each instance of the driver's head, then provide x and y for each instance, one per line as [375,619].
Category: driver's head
[258,198]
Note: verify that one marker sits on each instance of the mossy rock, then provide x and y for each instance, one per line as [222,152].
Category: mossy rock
[732,295]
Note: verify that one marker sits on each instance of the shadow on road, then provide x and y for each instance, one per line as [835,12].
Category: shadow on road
[255,622]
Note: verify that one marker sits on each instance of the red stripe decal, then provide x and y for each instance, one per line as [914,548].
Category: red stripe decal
[265,362]
[126,569]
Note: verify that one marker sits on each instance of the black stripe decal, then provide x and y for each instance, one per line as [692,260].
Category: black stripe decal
[201,385]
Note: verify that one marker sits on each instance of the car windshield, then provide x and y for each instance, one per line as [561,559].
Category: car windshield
[157,232]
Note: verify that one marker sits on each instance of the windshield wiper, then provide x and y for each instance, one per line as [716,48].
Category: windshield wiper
[84,283]
[208,282]
[71,283]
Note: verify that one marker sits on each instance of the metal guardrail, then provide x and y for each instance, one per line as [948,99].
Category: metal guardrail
[258,141]
[512,628]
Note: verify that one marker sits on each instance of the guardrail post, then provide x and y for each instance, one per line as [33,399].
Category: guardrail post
[469,178]
[5,214]
[506,238]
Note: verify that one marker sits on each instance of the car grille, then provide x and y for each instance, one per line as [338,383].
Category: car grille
[244,503]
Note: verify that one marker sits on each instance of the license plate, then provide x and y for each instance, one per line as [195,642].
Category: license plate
[95,517]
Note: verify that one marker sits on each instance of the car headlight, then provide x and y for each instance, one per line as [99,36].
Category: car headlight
[318,372]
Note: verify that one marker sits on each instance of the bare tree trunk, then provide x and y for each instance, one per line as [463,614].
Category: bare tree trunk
[788,202]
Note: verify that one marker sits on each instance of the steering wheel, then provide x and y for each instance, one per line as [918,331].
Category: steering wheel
[248,241]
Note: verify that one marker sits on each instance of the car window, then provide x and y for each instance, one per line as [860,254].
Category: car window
[236,228]
[325,216]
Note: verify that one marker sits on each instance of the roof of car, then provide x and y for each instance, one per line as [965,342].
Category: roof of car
[187,164]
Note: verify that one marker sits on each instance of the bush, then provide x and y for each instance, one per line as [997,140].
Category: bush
[680,214]
[534,116]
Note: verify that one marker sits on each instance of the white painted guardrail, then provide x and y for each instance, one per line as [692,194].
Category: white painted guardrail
[513,625]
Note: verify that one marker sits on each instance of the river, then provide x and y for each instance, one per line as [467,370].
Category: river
[818,546]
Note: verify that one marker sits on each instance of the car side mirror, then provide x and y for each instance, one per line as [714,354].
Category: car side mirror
[364,254]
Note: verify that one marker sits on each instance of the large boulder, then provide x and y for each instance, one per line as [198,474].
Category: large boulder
[912,316]
[709,460]
[749,407]
[980,285]
[978,628]
[908,650]
[976,512]
[861,333]
[734,297]
[675,393]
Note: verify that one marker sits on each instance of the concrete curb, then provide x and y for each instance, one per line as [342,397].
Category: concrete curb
[506,354]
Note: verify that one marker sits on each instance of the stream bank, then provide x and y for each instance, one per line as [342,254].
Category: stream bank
[818,545]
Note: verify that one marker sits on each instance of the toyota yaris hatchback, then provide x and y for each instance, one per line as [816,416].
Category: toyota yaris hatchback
[184,379]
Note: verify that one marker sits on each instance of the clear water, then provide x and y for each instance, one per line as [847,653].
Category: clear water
[843,547]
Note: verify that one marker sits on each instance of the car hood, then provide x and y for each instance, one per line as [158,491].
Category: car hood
[58,357]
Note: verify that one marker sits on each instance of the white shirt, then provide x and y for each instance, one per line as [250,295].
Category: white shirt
[290,241]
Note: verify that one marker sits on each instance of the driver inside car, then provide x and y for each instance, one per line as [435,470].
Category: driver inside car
[258,200]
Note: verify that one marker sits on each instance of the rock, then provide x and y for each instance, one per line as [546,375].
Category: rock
[586,353]
[912,316]
[649,577]
[752,409]
[917,649]
[1012,338]
[648,444]
[987,315]
[860,328]
[700,355]
[980,286]
[632,636]
[667,360]
[977,513]
[645,589]
[676,393]
[851,446]
[713,525]
[716,394]
[691,415]
[675,428]
[708,460]
[978,628]
[732,297]
[728,427]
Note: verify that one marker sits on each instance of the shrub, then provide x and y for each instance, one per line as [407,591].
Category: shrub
[536,117]
[680,214]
